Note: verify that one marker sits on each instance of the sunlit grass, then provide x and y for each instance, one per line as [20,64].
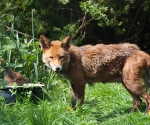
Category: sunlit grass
[104,104]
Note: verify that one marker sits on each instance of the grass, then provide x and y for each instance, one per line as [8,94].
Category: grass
[104,104]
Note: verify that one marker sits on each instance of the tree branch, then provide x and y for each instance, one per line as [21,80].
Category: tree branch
[9,28]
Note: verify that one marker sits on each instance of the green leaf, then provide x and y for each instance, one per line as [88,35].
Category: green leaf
[8,47]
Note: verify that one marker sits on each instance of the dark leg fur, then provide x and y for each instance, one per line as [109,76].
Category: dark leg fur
[74,98]
[77,94]
[136,99]
[136,92]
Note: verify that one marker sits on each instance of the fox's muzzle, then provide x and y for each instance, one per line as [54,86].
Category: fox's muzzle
[56,68]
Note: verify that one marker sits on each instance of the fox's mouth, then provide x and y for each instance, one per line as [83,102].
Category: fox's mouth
[54,68]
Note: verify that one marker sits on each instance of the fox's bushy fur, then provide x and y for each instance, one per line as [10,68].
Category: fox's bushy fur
[14,77]
[100,63]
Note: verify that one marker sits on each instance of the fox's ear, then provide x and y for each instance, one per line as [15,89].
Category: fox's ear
[44,42]
[66,42]
[10,72]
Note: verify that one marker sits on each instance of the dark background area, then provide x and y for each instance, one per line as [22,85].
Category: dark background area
[99,21]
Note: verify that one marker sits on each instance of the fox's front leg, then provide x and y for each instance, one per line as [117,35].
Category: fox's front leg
[77,94]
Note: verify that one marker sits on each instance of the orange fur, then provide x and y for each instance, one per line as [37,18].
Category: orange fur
[11,77]
[100,63]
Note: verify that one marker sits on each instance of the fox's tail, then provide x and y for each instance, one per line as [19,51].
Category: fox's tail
[147,84]
[147,70]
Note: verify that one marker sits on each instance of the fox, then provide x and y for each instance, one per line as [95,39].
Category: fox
[123,62]
[14,77]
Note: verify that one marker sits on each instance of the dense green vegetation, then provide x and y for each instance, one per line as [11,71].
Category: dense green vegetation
[90,22]
[104,104]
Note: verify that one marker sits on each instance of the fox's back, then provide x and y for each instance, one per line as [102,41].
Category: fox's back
[104,59]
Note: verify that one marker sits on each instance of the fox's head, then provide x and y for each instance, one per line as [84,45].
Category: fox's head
[10,76]
[55,53]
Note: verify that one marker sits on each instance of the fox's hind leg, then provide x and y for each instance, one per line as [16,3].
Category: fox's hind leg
[136,99]
[132,79]
[136,90]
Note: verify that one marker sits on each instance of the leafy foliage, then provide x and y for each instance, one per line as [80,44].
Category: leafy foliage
[20,13]
[88,21]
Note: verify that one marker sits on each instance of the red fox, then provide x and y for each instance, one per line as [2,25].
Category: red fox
[10,76]
[122,62]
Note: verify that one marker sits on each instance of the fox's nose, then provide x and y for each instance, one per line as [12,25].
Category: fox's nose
[57,68]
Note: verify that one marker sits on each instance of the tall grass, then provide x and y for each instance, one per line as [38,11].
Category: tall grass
[104,104]
[21,53]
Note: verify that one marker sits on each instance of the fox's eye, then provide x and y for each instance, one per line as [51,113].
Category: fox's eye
[61,57]
[51,57]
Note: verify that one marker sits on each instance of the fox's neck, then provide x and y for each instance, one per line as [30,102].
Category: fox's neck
[74,54]
[65,68]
